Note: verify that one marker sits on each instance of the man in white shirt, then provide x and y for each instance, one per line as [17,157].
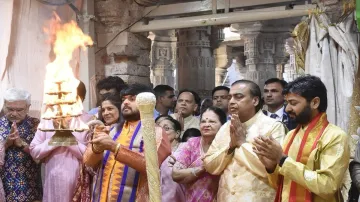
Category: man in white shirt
[186,106]
[274,100]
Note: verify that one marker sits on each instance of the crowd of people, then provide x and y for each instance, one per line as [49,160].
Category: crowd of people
[242,144]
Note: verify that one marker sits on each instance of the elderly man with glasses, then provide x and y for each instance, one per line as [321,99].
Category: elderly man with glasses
[21,175]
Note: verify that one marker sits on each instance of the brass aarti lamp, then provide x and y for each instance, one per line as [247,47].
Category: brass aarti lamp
[61,120]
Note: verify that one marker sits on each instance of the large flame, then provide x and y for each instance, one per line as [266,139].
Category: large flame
[60,96]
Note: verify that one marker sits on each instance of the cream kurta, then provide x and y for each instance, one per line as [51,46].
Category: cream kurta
[243,176]
[332,160]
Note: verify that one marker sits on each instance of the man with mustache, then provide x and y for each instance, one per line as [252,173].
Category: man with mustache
[311,164]
[187,104]
[243,177]
[119,158]
[21,174]
[220,98]
[274,101]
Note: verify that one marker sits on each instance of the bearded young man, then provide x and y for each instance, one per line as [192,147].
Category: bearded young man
[311,164]
[119,157]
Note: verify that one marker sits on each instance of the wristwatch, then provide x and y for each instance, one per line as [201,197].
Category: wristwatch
[282,160]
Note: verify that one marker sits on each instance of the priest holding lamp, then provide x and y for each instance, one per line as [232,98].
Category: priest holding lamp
[311,164]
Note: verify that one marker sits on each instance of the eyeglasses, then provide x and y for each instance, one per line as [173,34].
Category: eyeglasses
[166,128]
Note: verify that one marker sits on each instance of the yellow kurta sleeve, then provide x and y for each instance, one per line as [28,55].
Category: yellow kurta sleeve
[217,157]
[273,177]
[333,158]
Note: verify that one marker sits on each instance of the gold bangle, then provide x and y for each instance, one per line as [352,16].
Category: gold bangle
[117,149]
[95,150]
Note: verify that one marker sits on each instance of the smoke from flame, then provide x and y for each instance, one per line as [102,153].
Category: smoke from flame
[65,39]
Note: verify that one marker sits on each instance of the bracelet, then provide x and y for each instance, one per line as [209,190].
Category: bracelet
[193,172]
[95,150]
[117,149]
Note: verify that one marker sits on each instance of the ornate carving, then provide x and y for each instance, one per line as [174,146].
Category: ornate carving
[268,45]
[205,44]
[163,53]
[163,58]
[195,59]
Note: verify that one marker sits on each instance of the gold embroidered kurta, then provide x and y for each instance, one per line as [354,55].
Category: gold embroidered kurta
[324,171]
[123,177]
[243,176]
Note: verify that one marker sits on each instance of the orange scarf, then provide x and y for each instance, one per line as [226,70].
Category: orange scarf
[315,129]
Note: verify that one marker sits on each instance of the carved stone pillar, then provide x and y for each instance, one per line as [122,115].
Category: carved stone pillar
[263,48]
[125,55]
[163,57]
[279,71]
[259,51]
[222,62]
[195,60]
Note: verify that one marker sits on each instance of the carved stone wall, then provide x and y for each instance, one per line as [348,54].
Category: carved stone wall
[163,57]
[263,48]
[127,56]
[195,60]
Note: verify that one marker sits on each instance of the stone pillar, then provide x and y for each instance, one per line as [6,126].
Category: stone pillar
[263,48]
[195,60]
[259,49]
[126,54]
[279,71]
[222,62]
[280,53]
[163,57]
